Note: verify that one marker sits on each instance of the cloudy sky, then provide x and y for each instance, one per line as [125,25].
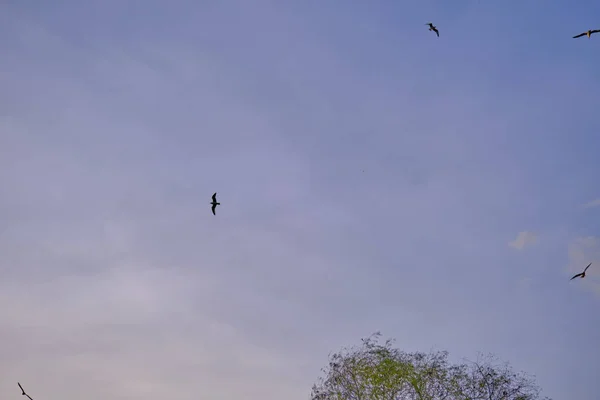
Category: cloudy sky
[372,177]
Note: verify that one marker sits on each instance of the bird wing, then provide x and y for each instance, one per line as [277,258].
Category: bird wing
[436,32]
[587,267]
[595,31]
[213,209]
[580,35]
[575,276]
[23,390]
[214,197]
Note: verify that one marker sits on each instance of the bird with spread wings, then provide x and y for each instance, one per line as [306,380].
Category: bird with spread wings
[214,203]
[588,33]
[433,28]
[23,391]
[581,274]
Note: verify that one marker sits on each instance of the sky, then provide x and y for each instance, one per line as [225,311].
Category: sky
[372,177]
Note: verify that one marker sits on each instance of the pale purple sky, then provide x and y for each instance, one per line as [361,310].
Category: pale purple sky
[373,177]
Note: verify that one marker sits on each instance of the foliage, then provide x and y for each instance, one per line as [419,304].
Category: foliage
[377,371]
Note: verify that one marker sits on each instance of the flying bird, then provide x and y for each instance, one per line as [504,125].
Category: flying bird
[581,274]
[214,203]
[588,33]
[23,390]
[433,28]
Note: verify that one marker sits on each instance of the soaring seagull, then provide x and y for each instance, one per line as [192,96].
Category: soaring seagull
[214,203]
[433,28]
[588,33]
[23,390]
[581,274]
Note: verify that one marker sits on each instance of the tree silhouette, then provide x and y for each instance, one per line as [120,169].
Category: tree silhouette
[377,371]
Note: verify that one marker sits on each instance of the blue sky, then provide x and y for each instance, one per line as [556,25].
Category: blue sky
[372,177]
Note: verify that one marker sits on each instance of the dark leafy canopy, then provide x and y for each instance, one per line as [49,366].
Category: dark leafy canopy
[377,371]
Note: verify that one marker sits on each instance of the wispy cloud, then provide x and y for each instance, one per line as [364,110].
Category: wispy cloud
[593,203]
[523,239]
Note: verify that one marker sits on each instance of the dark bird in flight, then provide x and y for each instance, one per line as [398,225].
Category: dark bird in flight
[433,28]
[23,391]
[581,274]
[214,203]
[588,33]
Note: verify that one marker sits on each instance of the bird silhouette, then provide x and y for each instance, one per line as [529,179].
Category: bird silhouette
[581,274]
[214,203]
[588,33]
[433,28]
[23,391]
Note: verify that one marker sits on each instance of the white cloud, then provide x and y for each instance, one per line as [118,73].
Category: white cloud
[593,203]
[523,239]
